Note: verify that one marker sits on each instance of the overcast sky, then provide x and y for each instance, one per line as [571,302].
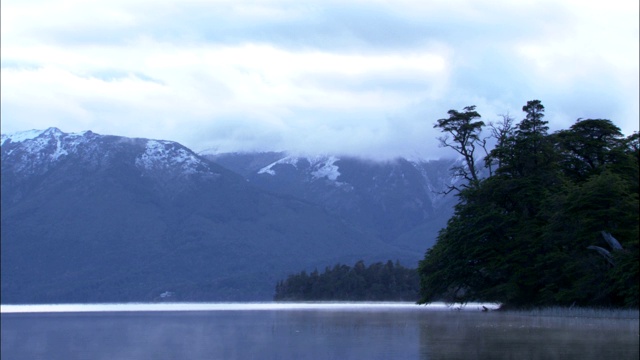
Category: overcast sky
[356,77]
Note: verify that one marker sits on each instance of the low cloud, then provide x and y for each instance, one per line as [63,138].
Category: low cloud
[366,78]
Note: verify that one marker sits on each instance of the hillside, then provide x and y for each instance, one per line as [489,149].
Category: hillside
[93,218]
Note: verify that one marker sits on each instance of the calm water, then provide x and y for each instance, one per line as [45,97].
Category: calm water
[305,331]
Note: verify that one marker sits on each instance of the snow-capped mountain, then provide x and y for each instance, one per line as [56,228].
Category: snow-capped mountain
[37,150]
[97,218]
[401,201]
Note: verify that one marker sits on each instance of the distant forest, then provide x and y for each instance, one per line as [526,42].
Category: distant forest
[377,282]
[543,218]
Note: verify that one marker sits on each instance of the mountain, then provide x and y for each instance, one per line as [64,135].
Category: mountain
[95,218]
[399,201]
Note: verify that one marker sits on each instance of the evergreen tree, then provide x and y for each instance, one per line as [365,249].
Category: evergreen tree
[532,233]
[588,146]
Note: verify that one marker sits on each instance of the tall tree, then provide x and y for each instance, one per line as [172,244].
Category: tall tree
[502,132]
[533,123]
[462,134]
[525,150]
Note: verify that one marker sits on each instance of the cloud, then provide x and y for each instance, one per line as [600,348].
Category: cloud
[364,77]
[356,26]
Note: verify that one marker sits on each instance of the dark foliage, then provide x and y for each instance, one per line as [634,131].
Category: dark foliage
[378,282]
[535,232]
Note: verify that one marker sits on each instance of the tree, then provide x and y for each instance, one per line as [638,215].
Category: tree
[376,282]
[466,261]
[464,131]
[502,132]
[532,123]
[525,149]
[525,236]
[588,146]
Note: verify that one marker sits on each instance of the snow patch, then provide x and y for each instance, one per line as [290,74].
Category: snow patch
[21,136]
[267,170]
[325,167]
[289,160]
[162,155]
[59,151]
[36,141]
[320,167]
[37,150]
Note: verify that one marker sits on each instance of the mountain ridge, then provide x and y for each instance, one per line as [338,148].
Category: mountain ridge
[392,197]
[95,218]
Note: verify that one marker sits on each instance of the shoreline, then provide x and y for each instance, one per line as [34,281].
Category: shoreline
[553,311]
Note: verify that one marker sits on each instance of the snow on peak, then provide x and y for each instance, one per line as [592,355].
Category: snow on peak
[36,150]
[53,131]
[290,160]
[161,155]
[47,134]
[38,147]
[36,141]
[21,136]
[320,166]
[325,167]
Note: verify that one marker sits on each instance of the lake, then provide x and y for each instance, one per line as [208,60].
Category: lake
[306,331]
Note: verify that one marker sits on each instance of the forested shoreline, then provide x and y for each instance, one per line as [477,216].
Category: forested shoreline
[543,219]
[378,282]
[554,223]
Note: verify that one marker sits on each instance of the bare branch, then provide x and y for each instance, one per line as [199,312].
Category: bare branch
[501,132]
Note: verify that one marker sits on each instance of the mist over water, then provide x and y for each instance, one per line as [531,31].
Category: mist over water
[306,331]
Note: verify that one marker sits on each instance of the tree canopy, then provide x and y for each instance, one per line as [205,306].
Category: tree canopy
[538,230]
[462,135]
[379,281]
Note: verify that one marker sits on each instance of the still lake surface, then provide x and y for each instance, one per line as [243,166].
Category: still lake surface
[306,331]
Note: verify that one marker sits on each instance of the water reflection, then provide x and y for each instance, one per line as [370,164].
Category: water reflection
[507,336]
[312,332]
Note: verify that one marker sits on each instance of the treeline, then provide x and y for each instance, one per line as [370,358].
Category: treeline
[377,282]
[550,219]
